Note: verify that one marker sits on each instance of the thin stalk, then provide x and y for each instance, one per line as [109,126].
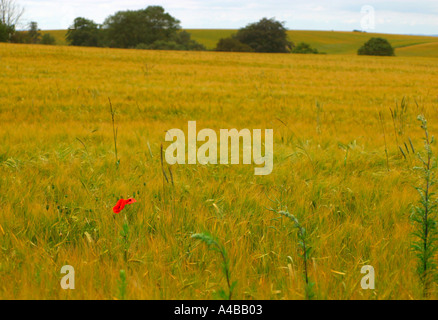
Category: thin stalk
[114,131]
[384,138]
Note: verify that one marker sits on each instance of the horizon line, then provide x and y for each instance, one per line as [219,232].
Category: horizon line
[310,30]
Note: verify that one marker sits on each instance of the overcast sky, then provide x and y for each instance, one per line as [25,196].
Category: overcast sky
[390,16]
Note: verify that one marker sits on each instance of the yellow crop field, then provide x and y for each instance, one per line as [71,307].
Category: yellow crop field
[345,135]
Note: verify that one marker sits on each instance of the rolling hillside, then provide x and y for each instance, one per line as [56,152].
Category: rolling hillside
[424,50]
[330,42]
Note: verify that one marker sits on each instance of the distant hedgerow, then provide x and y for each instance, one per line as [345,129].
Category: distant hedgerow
[305,48]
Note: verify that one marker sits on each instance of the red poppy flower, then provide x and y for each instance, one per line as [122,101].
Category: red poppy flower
[122,203]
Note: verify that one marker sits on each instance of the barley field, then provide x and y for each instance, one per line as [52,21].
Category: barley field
[345,134]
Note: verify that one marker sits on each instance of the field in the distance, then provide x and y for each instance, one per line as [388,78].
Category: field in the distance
[330,42]
[59,181]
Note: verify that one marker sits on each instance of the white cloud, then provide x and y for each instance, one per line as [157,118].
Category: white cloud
[395,16]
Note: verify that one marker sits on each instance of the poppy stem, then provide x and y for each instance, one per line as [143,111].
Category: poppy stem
[164,174]
[114,130]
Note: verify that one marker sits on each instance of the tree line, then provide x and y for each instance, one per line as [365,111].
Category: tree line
[155,29]
[150,28]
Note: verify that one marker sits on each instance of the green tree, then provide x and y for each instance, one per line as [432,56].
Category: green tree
[84,32]
[128,29]
[10,15]
[376,47]
[34,34]
[231,44]
[6,32]
[267,35]
[48,39]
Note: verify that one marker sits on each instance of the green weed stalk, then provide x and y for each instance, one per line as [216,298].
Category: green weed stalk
[424,215]
[215,245]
